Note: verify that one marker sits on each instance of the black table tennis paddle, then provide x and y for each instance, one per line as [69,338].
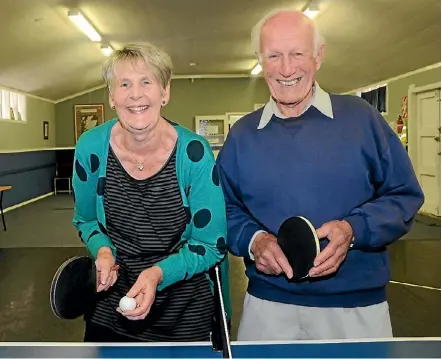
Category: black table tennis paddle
[74,287]
[299,242]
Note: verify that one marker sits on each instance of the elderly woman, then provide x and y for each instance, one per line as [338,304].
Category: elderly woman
[149,208]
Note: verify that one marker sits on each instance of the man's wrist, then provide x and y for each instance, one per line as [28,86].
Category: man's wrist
[253,241]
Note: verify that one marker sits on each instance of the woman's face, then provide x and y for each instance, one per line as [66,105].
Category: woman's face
[137,96]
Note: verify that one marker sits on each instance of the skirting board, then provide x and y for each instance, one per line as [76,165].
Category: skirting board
[27,202]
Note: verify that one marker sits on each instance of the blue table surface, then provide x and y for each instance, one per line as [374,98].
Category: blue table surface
[396,348]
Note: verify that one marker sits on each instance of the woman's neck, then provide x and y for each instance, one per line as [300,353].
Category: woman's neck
[143,143]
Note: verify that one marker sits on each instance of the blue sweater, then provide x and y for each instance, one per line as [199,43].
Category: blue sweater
[351,167]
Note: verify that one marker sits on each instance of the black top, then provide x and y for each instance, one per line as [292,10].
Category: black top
[145,220]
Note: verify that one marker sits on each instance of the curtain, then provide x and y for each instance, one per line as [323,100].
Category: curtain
[377,98]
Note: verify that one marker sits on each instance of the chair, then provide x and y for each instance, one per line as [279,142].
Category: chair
[2,190]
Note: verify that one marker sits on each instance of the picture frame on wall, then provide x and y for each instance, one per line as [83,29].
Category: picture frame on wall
[87,117]
[45,130]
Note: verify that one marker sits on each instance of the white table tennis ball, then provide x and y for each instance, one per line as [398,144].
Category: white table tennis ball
[127,303]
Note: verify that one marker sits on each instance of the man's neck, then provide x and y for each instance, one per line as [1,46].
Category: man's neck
[297,108]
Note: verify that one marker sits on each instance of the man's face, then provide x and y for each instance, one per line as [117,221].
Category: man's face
[288,58]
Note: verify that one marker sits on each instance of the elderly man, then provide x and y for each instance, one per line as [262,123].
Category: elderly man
[332,159]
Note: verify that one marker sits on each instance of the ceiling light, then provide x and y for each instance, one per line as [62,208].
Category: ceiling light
[106,50]
[311,13]
[256,70]
[312,9]
[80,21]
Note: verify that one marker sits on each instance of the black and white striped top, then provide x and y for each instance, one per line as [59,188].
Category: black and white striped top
[145,220]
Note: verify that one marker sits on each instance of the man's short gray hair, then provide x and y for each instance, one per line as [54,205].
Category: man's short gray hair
[256,31]
[155,58]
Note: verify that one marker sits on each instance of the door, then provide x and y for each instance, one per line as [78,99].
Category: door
[428,131]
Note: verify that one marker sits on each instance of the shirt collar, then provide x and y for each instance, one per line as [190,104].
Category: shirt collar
[320,99]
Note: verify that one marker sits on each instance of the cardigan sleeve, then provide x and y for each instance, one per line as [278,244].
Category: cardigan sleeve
[206,245]
[85,187]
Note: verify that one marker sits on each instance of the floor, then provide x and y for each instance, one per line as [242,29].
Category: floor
[40,237]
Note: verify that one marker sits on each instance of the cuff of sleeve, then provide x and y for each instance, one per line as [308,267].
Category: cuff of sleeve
[359,227]
[247,235]
[171,274]
[252,257]
[98,241]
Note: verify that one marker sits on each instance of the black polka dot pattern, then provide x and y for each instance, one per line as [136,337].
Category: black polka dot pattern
[81,173]
[215,177]
[80,235]
[187,191]
[188,214]
[202,218]
[95,163]
[221,245]
[200,250]
[94,233]
[102,229]
[195,151]
[101,185]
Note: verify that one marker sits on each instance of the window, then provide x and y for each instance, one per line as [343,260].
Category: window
[12,106]
[376,96]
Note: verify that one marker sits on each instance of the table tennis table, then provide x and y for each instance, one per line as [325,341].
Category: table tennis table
[384,348]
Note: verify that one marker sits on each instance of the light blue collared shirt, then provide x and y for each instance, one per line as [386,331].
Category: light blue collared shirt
[320,99]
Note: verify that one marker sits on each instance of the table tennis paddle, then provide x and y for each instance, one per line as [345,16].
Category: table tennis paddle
[74,287]
[299,242]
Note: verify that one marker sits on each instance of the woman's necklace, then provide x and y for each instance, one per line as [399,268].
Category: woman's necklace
[140,164]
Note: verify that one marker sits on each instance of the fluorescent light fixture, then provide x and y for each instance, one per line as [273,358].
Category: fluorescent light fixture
[256,70]
[80,21]
[106,50]
[312,9]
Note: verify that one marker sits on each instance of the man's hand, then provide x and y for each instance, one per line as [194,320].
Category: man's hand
[269,257]
[339,234]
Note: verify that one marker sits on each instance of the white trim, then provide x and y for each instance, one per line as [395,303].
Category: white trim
[7,120]
[429,87]
[338,341]
[212,76]
[27,202]
[36,149]
[207,344]
[415,285]
[174,77]
[25,94]
[423,69]
[80,93]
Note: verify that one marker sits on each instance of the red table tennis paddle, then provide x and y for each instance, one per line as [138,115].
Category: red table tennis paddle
[299,242]
[74,287]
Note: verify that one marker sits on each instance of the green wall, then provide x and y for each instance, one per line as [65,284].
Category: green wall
[398,88]
[18,136]
[188,99]
[64,113]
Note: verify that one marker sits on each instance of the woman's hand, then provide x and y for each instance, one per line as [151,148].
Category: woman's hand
[143,291]
[107,271]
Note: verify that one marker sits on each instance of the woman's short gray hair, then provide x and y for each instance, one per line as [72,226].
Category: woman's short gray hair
[256,31]
[155,58]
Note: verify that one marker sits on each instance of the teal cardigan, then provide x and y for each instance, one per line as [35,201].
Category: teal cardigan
[204,238]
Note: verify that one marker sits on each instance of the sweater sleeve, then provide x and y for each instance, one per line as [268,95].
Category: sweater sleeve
[396,200]
[84,184]
[241,226]
[206,245]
